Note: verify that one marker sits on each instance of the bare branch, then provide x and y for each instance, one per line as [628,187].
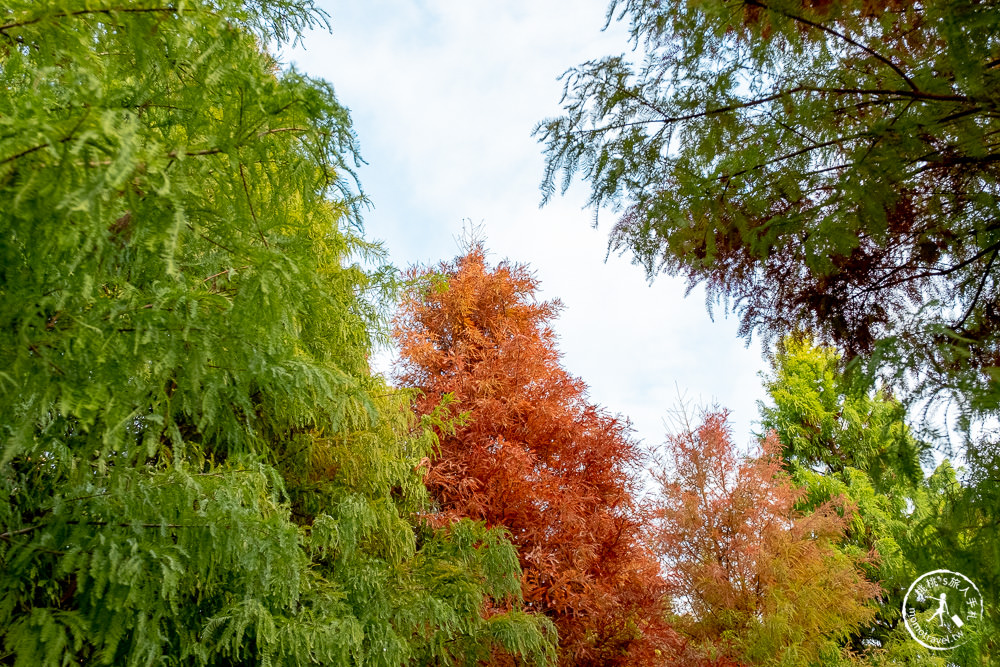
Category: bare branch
[170,9]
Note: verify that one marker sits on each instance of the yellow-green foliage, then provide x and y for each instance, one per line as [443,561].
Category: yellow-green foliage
[842,438]
[196,465]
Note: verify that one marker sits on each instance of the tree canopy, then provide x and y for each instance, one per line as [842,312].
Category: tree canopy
[841,439]
[197,466]
[756,581]
[831,166]
[534,456]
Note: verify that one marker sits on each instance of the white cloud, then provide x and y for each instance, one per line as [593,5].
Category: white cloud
[444,95]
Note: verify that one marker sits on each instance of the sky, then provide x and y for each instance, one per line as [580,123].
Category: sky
[444,95]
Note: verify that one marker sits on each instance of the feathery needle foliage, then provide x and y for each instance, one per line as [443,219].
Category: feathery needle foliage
[756,582]
[534,456]
[196,466]
[827,165]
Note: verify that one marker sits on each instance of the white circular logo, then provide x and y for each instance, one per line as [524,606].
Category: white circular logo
[939,606]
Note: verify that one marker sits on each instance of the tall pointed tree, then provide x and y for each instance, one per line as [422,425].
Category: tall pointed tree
[534,456]
[839,437]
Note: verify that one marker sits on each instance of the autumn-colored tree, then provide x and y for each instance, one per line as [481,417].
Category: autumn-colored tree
[828,164]
[755,581]
[534,456]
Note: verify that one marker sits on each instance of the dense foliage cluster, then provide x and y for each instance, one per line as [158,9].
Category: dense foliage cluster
[841,439]
[758,582]
[196,465]
[830,165]
[534,456]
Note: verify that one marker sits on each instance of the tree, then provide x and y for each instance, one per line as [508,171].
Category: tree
[196,465]
[533,456]
[831,421]
[825,165]
[839,438]
[756,581]
[822,166]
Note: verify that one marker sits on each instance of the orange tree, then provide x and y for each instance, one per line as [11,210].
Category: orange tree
[533,456]
[754,580]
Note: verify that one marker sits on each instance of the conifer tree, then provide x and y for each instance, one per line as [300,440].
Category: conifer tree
[756,581]
[839,438]
[534,456]
[196,465]
[832,165]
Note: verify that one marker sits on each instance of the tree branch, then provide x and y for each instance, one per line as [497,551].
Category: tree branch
[253,214]
[994,247]
[831,31]
[979,290]
[884,92]
[701,114]
[23,531]
[170,9]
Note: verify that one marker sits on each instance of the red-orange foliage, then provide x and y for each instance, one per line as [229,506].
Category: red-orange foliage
[535,457]
[753,579]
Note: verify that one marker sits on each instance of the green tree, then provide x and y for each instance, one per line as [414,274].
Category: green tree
[826,166]
[832,165]
[830,421]
[196,465]
[839,439]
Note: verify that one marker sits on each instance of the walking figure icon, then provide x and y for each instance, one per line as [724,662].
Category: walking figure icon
[942,610]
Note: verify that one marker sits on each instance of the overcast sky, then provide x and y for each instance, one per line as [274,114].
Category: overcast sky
[444,95]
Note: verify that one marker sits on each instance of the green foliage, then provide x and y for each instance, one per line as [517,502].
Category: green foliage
[196,466]
[816,164]
[826,418]
[842,439]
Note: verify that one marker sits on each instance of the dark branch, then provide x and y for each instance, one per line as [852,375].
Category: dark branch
[979,290]
[82,12]
[831,31]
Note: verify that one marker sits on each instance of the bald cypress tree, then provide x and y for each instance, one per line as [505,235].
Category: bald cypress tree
[535,456]
[196,465]
[832,167]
